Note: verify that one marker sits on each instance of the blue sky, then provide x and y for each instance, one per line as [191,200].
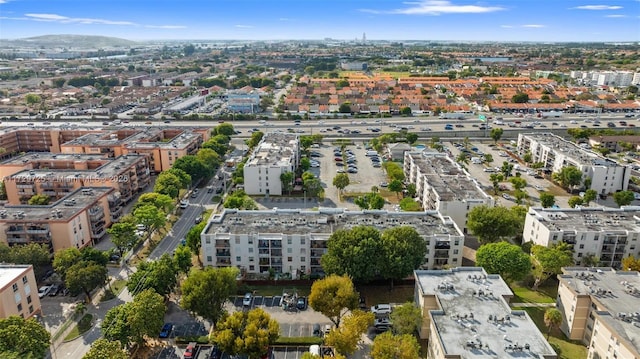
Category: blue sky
[482,20]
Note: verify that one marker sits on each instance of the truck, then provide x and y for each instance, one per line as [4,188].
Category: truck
[452,115]
[554,114]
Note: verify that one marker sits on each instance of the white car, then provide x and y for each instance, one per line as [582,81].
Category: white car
[538,187]
[381,309]
[43,291]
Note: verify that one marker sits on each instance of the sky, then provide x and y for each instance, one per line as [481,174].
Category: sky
[458,20]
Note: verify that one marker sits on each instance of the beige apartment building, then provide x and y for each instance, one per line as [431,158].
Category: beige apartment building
[18,291]
[601,308]
[78,220]
[57,175]
[466,314]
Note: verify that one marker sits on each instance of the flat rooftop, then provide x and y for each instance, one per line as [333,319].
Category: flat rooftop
[275,149]
[9,273]
[51,157]
[571,150]
[61,210]
[594,219]
[617,291]
[476,320]
[451,182]
[108,171]
[327,221]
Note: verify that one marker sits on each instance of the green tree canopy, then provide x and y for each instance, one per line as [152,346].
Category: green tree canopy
[496,134]
[36,254]
[505,259]
[194,167]
[123,236]
[159,200]
[370,200]
[548,261]
[520,97]
[552,319]
[341,181]
[490,224]
[406,318]
[547,199]
[193,237]
[345,337]
[133,321]
[408,204]
[349,251]
[85,276]
[623,198]
[403,251]
[568,177]
[23,337]
[333,296]
[39,200]
[389,346]
[168,184]
[205,291]
[150,216]
[631,263]
[247,332]
[106,349]
[159,275]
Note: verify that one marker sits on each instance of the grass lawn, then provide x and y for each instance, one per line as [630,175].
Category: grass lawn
[83,325]
[524,294]
[568,349]
[377,294]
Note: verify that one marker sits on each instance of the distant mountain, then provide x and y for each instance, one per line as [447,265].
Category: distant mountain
[69,42]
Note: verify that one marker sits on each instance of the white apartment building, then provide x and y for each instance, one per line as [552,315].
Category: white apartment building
[276,154]
[607,176]
[601,308]
[608,233]
[442,185]
[294,240]
[466,314]
[608,78]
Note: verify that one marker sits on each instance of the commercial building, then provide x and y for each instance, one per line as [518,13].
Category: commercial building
[57,175]
[243,102]
[442,185]
[556,153]
[608,234]
[466,314]
[276,154]
[601,308]
[78,220]
[18,291]
[293,241]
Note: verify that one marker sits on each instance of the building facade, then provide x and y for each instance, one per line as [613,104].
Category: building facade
[18,291]
[599,307]
[293,241]
[466,314]
[442,185]
[609,234]
[276,154]
[557,153]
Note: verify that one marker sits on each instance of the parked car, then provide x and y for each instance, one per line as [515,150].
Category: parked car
[301,304]
[53,290]
[198,219]
[248,298]
[190,352]
[381,309]
[167,328]
[317,332]
[216,353]
[43,291]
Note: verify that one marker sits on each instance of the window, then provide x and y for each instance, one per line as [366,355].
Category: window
[303,268]
[289,241]
[303,259]
[237,240]
[456,242]
[289,250]
[207,240]
[251,259]
[25,279]
[250,249]
[582,246]
[252,267]
[15,287]
[30,309]
[238,259]
[289,259]
[20,307]
[28,299]
[303,241]
[455,260]
[209,259]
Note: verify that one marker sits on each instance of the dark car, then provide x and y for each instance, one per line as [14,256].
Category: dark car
[317,331]
[166,330]
[55,288]
[216,353]
[198,219]
[301,304]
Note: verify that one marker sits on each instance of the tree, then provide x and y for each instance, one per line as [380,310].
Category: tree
[106,349]
[406,318]
[115,326]
[408,204]
[32,99]
[590,195]
[209,157]
[496,134]
[403,251]
[630,263]
[64,259]
[568,177]
[547,199]
[305,164]
[341,181]
[287,180]
[193,238]
[370,200]
[306,142]
[24,337]
[396,186]
[623,198]
[182,259]
[349,252]
[505,259]
[205,291]
[488,158]
[345,338]
[39,200]
[159,200]
[333,296]
[411,137]
[552,319]
[123,236]
[574,201]
[85,277]
[527,157]
[194,167]
[250,333]
[150,217]
[518,183]
[159,275]
[548,261]
[183,177]
[520,97]
[168,184]
[36,254]
[405,111]
[389,346]
[255,139]
[189,50]
[145,315]
[411,190]
[495,179]
[490,224]
[345,108]
[506,169]
[225,129]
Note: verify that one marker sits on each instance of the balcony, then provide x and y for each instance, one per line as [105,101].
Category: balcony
[317,253]
[264,261]
[97,232]
[223,261]
[442,254]
[37,230]
[443,245]
[276,244]
[20,240]
[263,244]
[223,253]
[222,243]
[276,252]
[14,229]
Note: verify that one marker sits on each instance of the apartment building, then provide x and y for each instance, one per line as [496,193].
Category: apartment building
[39,139]
[443,186]
[18,291]
[78,220]
[466,314]
[294,240]
[276,154]
[609,234]
[57,175]
[601,308]
[607,176]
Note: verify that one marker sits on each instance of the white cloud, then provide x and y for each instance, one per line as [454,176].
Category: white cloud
[533,26]
[87,21]
[436,7]
[598,7]
[507,26]
[244,26]
[165,26]
[616,15]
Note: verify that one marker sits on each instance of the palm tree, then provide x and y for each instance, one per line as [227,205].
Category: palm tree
[552,319]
